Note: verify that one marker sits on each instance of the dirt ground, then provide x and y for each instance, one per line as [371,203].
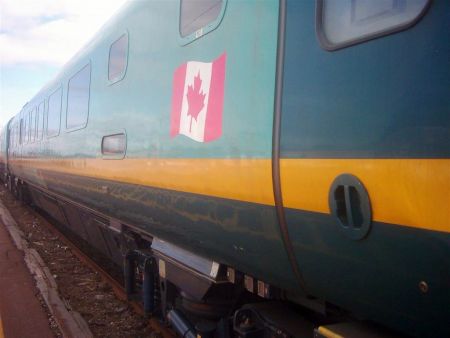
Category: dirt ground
[80,288]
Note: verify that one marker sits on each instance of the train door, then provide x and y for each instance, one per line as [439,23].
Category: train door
[364,156]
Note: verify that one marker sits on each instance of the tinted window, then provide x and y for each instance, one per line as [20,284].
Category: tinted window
[33,125]
[196,14]
[54,113]
[114,144]
[118,54]
[345,22]
[17,142]
[24,132]
[40,121]
[26,128]
[21,132]
[30,126]
[11,136]
[14,136]
[78,98]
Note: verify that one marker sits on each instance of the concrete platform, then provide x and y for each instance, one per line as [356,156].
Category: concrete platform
[21,314]
[24,275]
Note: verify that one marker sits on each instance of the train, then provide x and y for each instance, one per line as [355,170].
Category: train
[271,168]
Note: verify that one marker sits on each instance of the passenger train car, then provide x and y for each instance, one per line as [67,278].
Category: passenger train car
[256,165]
[3,153]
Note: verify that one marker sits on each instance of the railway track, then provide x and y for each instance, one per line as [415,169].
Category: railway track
[117,288]
[156,328]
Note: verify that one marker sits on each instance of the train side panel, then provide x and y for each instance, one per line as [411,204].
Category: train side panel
[3,152]
[214,197]
[364,152]
[371,121]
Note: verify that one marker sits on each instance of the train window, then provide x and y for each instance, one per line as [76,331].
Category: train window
[54,113]
[21,131]
[17,142]
[200,16]
[118,59]
[33,124]
[30,126]
[27,128]
[40,121]
[78,99]
[114,146]
[344,23]
[13,136]
[17,135]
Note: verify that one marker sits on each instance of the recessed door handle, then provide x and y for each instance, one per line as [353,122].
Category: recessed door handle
[349,203]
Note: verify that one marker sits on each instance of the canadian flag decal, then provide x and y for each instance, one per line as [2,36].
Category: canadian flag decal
[197,99]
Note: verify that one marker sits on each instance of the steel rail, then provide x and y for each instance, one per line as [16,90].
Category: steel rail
[116,287]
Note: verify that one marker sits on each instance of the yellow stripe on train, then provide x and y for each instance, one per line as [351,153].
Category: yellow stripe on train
[411,192]
[239,179]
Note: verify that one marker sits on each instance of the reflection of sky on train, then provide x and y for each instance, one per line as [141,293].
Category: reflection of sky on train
[37,38]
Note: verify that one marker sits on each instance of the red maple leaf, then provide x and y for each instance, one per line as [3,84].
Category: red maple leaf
[195,98]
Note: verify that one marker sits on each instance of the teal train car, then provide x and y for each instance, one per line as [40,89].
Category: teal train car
[270,167]
[3,153]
